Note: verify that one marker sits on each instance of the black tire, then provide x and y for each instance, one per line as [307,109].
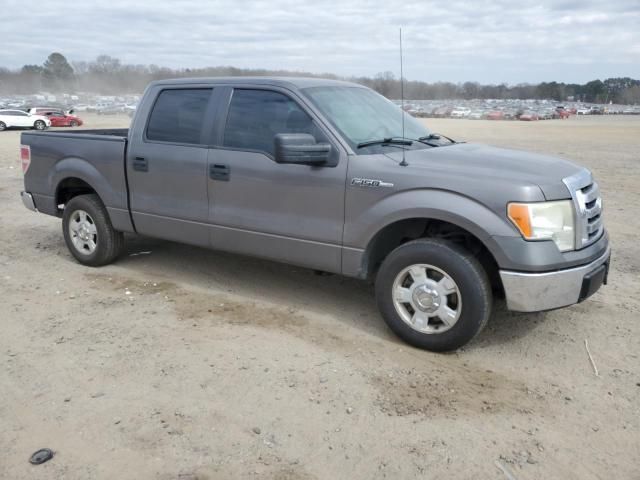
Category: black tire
[73,123]
[3,126]
[465,270]
[39,125]
[109,243]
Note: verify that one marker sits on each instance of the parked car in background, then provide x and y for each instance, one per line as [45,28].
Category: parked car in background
[561,112]
[529,116]
[495,115]
[44,110]
[97,107]
[476,114]
[442,112]
[130,109]
[546,114]
[109,110]
[22,119]
[63,120]
[460,112]
[583,111]
[511,114]
[81,107]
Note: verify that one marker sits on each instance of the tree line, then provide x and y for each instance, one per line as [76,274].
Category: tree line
[108,75]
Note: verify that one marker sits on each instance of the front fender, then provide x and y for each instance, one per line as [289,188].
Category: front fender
[472,216]
[426,203]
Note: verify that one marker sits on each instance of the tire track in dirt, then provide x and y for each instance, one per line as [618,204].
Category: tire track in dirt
[426,385]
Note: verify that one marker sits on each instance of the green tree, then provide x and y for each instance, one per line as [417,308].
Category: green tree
[57,73]
[595,91]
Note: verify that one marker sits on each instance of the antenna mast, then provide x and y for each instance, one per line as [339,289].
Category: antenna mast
[404,162]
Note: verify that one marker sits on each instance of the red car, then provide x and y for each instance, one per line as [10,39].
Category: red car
[59,119]
[526,116]
[495,115]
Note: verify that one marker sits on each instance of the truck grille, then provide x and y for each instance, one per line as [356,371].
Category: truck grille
[588,207]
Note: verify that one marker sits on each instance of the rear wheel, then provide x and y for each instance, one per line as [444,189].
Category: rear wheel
[3,126]
[433,294]
[39,125]
[88,232]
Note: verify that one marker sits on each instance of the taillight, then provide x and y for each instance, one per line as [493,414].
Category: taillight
[25,157]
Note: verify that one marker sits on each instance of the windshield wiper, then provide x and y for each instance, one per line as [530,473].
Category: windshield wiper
[434,136]
[385,141]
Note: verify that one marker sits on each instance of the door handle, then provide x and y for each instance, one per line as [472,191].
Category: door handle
[140,164]
[217,171]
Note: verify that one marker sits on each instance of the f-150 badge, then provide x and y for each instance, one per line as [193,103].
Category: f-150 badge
[367,182]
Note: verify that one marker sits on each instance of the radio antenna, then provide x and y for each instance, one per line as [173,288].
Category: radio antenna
[404,161]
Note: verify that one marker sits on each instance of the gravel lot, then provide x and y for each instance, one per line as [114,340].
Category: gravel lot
[191,364]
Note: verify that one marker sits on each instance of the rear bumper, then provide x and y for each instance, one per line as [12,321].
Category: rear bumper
[534,292]
[27,201]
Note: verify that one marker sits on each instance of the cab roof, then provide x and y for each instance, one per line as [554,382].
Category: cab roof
[286,82]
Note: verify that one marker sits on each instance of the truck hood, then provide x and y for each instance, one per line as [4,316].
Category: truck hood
[487,162]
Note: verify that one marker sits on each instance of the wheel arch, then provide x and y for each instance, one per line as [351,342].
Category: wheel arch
[401,231]
[70,187]
[74,176]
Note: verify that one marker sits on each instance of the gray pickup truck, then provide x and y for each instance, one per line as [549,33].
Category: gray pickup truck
[323,174]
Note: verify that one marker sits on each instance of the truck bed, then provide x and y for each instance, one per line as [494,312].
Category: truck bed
[96,158]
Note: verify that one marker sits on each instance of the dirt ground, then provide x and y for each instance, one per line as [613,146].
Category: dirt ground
[182,363]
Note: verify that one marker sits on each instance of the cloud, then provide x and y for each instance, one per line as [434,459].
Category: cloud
[492,41]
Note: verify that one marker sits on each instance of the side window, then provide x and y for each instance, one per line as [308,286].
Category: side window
[257,116]
[177,115]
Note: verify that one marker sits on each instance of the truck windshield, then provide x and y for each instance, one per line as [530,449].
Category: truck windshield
[361,115]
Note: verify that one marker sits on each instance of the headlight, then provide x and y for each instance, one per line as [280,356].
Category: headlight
[545,221]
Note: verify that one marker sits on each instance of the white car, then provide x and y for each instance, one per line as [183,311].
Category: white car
[81,107]
[460,112]
[584,111]
[20,119]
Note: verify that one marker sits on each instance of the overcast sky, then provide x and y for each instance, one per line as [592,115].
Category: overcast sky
[491,42]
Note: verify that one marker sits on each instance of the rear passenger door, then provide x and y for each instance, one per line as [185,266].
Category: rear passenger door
[21,119]
[167,165]
[290,213]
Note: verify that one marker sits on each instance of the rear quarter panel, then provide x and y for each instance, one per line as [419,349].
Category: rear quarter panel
[98,160]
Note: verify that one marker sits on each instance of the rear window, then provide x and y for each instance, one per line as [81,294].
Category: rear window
[177,115]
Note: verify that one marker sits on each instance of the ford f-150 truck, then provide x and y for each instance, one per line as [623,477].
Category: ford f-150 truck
[326,175]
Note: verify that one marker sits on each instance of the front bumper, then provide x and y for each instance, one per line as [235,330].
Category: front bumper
[535,292]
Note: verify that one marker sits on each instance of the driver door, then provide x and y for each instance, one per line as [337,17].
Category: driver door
[290,213]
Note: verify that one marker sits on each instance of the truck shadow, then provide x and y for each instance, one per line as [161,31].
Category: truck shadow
[347,300]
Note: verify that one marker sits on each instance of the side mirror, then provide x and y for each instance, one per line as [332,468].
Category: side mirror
[300,149]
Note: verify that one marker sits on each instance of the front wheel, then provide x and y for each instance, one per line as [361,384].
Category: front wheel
[3,126]
[434,294]
[39,125]
[73,123]
[88,232]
